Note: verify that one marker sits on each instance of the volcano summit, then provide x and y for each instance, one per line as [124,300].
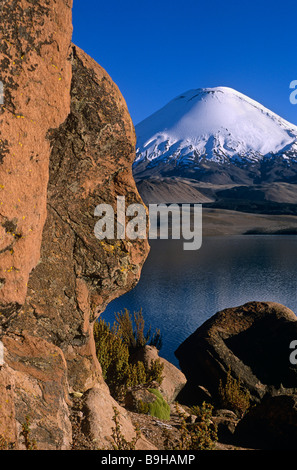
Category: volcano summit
[216,135]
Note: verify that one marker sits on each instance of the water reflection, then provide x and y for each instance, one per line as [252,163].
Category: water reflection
[179,290]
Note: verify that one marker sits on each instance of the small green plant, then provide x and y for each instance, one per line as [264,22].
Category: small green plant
[154,372]
[118,440]
[143,407]
[136,374]
[113,356]
[195,410]
[202,435]
[233,396]
[5,444]
[30,444]
[133,332]
[114,346]
[205,431]
[158,408]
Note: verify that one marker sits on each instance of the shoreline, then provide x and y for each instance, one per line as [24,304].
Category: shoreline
[224,222]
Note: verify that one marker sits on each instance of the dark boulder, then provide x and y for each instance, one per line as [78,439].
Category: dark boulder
[270,425]
[252,341]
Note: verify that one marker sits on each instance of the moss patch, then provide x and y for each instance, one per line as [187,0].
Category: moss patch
[158,408]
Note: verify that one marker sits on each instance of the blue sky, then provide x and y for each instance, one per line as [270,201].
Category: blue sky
[155,50]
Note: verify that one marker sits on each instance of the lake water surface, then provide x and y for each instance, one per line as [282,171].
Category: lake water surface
[179,290]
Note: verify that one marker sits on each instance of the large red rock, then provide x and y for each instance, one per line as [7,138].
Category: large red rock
[98,422]
[36,73]
[77,275]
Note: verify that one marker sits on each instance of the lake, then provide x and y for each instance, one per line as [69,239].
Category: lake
[179,290]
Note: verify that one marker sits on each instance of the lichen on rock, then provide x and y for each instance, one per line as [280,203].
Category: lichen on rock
[68,144]
[34,53]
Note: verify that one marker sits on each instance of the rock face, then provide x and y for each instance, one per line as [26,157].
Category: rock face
[75,146]
[252,340]
[36,75]
[78,275]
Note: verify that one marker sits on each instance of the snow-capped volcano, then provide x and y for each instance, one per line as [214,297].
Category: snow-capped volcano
[218,125]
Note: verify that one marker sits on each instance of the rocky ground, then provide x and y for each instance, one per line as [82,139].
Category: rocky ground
[163,435]
[250,344]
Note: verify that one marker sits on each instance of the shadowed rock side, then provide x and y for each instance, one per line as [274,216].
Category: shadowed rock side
[49,347]
[271,425]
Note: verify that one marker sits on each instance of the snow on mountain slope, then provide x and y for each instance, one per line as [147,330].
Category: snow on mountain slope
[215,124]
